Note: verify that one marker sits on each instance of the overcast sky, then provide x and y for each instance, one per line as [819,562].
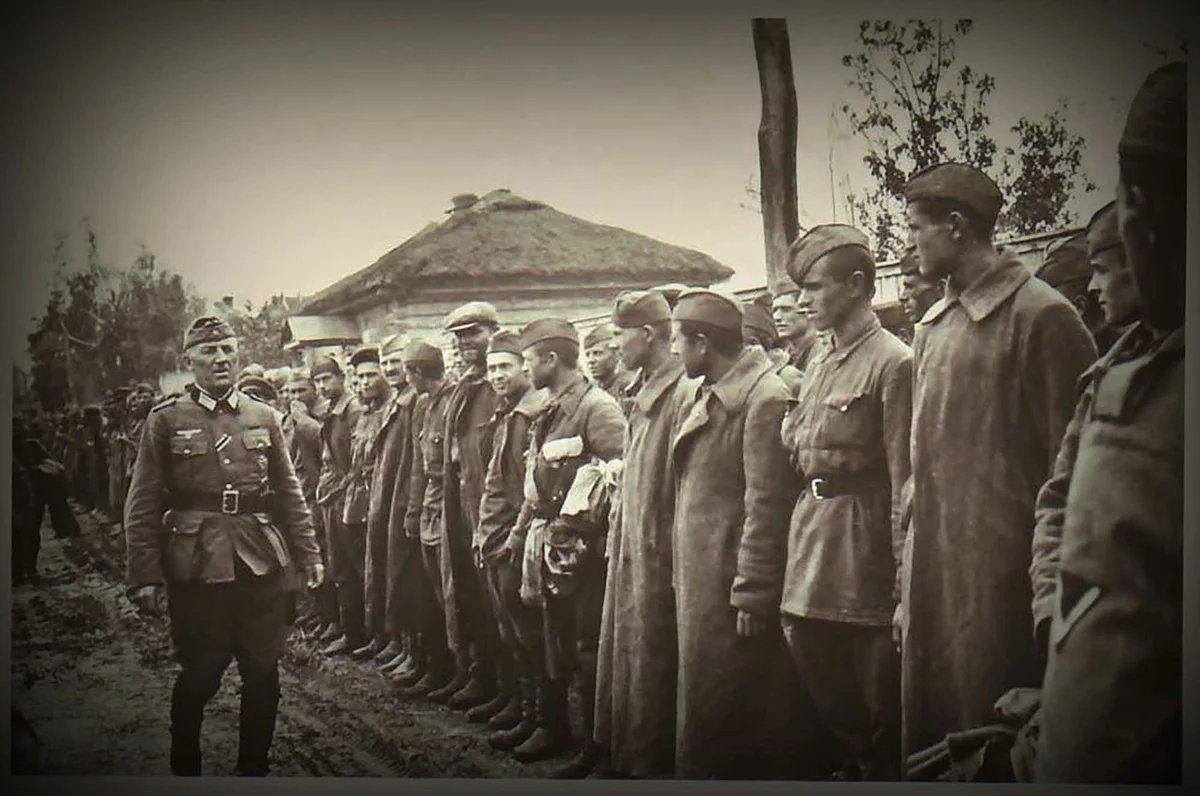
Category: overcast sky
[264,148]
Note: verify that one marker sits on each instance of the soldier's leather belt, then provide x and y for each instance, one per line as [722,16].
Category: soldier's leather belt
[228,502]
[822,487]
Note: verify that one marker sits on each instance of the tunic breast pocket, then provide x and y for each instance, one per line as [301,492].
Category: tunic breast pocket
[257,442]
[186,453]
[846,420]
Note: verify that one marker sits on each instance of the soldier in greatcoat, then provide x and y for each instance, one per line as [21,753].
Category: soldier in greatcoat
[605,367]
[1112,695]
[635,682]
[737,690]
[216,526]
[996,362]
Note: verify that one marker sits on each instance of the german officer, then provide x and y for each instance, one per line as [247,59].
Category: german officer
[847,438]
[215,515]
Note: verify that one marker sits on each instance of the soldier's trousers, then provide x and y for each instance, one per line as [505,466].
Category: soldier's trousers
[520,625]
[50,493]
[852,673]
[407,589]
[347,560]
[572,635]
[471,626]
[433,621]
[211,624]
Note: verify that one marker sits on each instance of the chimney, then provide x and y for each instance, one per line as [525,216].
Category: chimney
[462,201]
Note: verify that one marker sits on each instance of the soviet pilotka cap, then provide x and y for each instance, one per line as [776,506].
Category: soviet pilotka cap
[599,335]
[820,241]
[1156,126]
[505,342]
[636,308]
[704,305]
[470,315]
[392,344]
[544,329]
[756,319]
[206,329]
[1065,261]
[959,183]
[1102,230]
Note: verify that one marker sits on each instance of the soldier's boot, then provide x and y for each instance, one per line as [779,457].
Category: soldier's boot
[332,631]
[479,688]
[412,668]
[506,690]
[437,675]
[394,647]
[553,734]
[453,686]
[327,605]
[370,649]
[509,716]
[526,724]
[591,753]
[256,722]
[350,605]
[403,655]
[191,693]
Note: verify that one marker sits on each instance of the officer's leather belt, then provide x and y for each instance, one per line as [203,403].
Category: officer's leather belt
[228,502]
[822,487]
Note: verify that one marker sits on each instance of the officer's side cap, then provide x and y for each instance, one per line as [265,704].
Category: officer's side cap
[206,329]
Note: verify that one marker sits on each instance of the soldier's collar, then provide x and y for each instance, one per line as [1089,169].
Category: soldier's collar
[532,402]
[657,383]
[981,298]
[339,408]
[571,393]
[855,336]
[734,387]
[210,403]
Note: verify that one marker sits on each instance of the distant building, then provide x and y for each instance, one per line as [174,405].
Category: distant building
[523,256]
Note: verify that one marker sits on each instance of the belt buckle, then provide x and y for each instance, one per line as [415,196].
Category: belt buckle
[229,501]
[814,486]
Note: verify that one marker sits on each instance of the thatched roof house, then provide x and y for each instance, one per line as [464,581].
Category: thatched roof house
[524,256]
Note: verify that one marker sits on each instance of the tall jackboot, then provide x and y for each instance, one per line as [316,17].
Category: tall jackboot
[452,687]
[591,753]
[412,670]
[526,724]
[393,648]
[553,734]
[436,677]
[480,686]
[256,722]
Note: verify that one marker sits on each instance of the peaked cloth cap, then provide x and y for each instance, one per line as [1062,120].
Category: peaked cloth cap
[420,352]
[1102,230]
[548,329]
[367,353]
[635,308]
[505,342]
[470,315]
[818,242]
[206,329]
[959,183]
[703,305]
[326,364]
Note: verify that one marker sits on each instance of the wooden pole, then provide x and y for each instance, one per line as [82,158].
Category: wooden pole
[777,146]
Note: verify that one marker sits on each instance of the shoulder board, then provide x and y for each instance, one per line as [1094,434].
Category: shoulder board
[170,400]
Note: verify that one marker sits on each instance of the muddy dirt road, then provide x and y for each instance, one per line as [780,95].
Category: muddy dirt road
[93,679]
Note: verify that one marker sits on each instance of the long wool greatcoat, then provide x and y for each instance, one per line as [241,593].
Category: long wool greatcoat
[635,686]
[736,697]
[996,368]
[392,462]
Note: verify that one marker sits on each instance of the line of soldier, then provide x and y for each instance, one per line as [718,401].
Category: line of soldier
[745,571]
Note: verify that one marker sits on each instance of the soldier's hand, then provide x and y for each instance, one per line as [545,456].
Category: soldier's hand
[898,625]
[314,575]
[151,600]
[749,625]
